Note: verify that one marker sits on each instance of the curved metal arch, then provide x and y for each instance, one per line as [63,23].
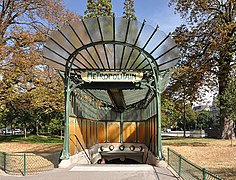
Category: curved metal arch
[77,51]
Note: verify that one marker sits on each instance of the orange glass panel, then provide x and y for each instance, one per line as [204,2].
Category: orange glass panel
[94,132]
[113,132]
[141,132]
[101,132]
[148,127]
[80,137]
[84,129]
[88,134]
[129,132]
[91,133]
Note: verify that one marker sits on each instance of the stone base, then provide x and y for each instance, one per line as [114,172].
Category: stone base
[162,164]
[77,158]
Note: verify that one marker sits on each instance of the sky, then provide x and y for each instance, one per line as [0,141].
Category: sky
[155,12]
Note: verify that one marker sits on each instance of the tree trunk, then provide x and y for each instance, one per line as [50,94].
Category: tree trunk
[224,69]
[37,127]
[228,132]
[25,131]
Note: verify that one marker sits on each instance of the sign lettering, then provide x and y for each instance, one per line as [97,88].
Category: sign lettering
[107,76]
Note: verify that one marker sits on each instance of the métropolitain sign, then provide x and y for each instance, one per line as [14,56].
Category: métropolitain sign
[111,76]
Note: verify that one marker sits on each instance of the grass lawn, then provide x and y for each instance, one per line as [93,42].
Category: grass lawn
[30,139]
[216,155]
[32,144]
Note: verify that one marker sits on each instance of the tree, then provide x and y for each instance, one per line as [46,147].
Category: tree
[204,120]
[24,76]
[129,9]
[175,115]
[97,8]
[230,97]
[229,107]
[207,43]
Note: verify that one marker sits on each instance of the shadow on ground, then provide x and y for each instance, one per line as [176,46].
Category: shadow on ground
[225,173]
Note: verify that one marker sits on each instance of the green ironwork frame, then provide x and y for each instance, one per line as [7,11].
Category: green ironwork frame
[70,86]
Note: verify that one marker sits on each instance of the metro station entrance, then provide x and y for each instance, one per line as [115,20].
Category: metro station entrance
[114,71]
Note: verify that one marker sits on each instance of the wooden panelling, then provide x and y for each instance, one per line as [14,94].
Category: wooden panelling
[141,132]
[101,132]
[129,132]
[113,132]
[88,134]
[84,125]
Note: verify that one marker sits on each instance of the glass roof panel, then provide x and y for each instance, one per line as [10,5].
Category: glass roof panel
[145,35]
[98,46]
[126,54]
[55,49]
[93,29]
[71,36]
[133,31]
[81,32]
[103,55]
[156,40]
[96,57]
[63,42]
[134,96]
[53,56]
[56,65]
[87,57]
[102,95]
[110,54]
[121,25]
[106,28]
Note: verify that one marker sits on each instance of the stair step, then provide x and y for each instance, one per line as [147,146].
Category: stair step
[112,167]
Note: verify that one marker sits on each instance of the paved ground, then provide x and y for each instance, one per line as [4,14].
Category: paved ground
[101,172]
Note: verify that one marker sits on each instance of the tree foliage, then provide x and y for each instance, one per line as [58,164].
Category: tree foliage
[176,112]
[129,10]
[97,8]
[207,43]
[28,86]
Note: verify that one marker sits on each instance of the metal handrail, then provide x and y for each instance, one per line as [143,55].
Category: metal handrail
[82,148]
[184,171]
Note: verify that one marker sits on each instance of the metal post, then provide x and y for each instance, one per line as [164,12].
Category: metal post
[159,142]
[156,77]
[66,146]
[24,164]
[180,164]
[121,127]
[204,173]
[136,134]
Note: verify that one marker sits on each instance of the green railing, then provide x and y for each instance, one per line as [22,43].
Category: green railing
[188,170]
[25,163]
